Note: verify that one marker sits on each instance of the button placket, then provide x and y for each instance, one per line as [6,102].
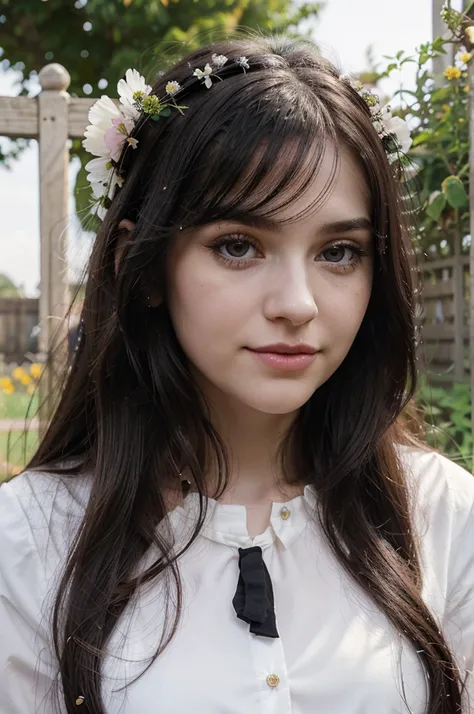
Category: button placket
[271,674]
[270,661]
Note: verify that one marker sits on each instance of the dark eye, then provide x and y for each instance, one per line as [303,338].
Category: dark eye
[336,253]
[236,248]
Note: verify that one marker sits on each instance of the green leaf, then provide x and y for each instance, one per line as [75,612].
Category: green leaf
[436,206]
[455,192]
[438,44]
[166,112]
[441,95]
[423,138]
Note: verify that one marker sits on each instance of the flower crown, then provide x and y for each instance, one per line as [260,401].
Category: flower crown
[394,132]
[111,127]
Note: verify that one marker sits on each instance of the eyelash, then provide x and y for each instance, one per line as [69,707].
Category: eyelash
[239,263]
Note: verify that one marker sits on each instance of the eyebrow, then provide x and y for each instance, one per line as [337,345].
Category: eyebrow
[348,225]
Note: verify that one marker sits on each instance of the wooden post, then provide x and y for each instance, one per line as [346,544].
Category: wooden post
[439,30]
[470,47]
[53,169]
[459,307]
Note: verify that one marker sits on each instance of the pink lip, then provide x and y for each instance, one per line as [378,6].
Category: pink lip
[289,362]
[282,348]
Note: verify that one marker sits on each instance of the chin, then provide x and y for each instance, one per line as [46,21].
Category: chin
[279,401]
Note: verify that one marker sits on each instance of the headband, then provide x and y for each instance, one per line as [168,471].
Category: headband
[112,127]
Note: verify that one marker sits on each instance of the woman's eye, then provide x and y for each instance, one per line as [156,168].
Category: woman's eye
[336,253]
[237,248]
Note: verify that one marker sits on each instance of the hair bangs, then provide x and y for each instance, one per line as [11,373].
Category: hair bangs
[248,167]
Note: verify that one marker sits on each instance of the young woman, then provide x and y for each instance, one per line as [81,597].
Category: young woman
[226,515]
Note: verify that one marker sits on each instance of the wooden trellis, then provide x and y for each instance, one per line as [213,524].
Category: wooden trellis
[53,118]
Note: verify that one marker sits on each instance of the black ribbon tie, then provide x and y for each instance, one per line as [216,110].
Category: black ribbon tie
[253,600]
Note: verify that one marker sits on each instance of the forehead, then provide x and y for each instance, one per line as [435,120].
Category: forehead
[338,189]
[324,183]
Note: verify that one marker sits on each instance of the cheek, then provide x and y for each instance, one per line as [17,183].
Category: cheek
[345,305]
[203,309]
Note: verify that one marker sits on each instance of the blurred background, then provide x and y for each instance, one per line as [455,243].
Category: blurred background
[411,52]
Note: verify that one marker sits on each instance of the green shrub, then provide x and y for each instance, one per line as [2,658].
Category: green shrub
[447,413]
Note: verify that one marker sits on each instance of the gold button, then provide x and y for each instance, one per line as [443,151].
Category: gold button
[273,680]
[285,513]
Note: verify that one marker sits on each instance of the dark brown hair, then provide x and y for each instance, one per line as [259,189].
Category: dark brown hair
[130,414]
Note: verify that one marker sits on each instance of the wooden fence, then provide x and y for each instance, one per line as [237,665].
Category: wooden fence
[444,350]
[53,118]
[18,318]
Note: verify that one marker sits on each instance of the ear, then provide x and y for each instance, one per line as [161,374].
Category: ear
[126,227]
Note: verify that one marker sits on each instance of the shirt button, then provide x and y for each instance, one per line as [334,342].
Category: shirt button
[285,513]
[273,680]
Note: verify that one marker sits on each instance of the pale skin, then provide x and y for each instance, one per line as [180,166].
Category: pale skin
[300,281]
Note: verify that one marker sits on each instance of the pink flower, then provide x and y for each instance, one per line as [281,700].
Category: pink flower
[116,136]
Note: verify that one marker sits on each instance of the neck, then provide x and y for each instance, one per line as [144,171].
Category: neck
[252,440]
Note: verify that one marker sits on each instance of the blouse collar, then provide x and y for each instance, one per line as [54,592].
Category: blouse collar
[227,523]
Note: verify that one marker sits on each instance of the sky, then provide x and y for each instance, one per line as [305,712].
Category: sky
[344,32]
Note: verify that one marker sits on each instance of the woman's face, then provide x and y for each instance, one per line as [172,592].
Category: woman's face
[234,288]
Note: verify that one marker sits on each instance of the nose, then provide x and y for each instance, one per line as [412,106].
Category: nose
[291,297]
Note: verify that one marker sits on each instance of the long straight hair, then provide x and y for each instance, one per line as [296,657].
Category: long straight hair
[130,414]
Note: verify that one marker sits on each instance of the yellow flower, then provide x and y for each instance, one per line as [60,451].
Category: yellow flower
[465,57]
[5,382]
[466,88]
[30,389]
[452,72]
[35,370]
[446,107]
[8,389]
[26,379]
[18,373]
[461,120]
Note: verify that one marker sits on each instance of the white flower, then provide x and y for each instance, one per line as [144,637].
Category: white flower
[243,62]
[99,171]
[379,127]
[94,141]
[398,128]
[172,87]
[204,74]
[100,211]
[101,115]
[102,178]
[109,130]
[133,86]
[101,191]
[102,112]
[218,60]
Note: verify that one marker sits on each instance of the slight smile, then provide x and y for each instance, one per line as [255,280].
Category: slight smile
[285,357]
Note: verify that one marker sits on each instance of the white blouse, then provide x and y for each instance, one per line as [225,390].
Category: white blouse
[336,652]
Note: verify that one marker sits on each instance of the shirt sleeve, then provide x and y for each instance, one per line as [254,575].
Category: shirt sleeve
[459,616]
[443,499]
[26,660]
